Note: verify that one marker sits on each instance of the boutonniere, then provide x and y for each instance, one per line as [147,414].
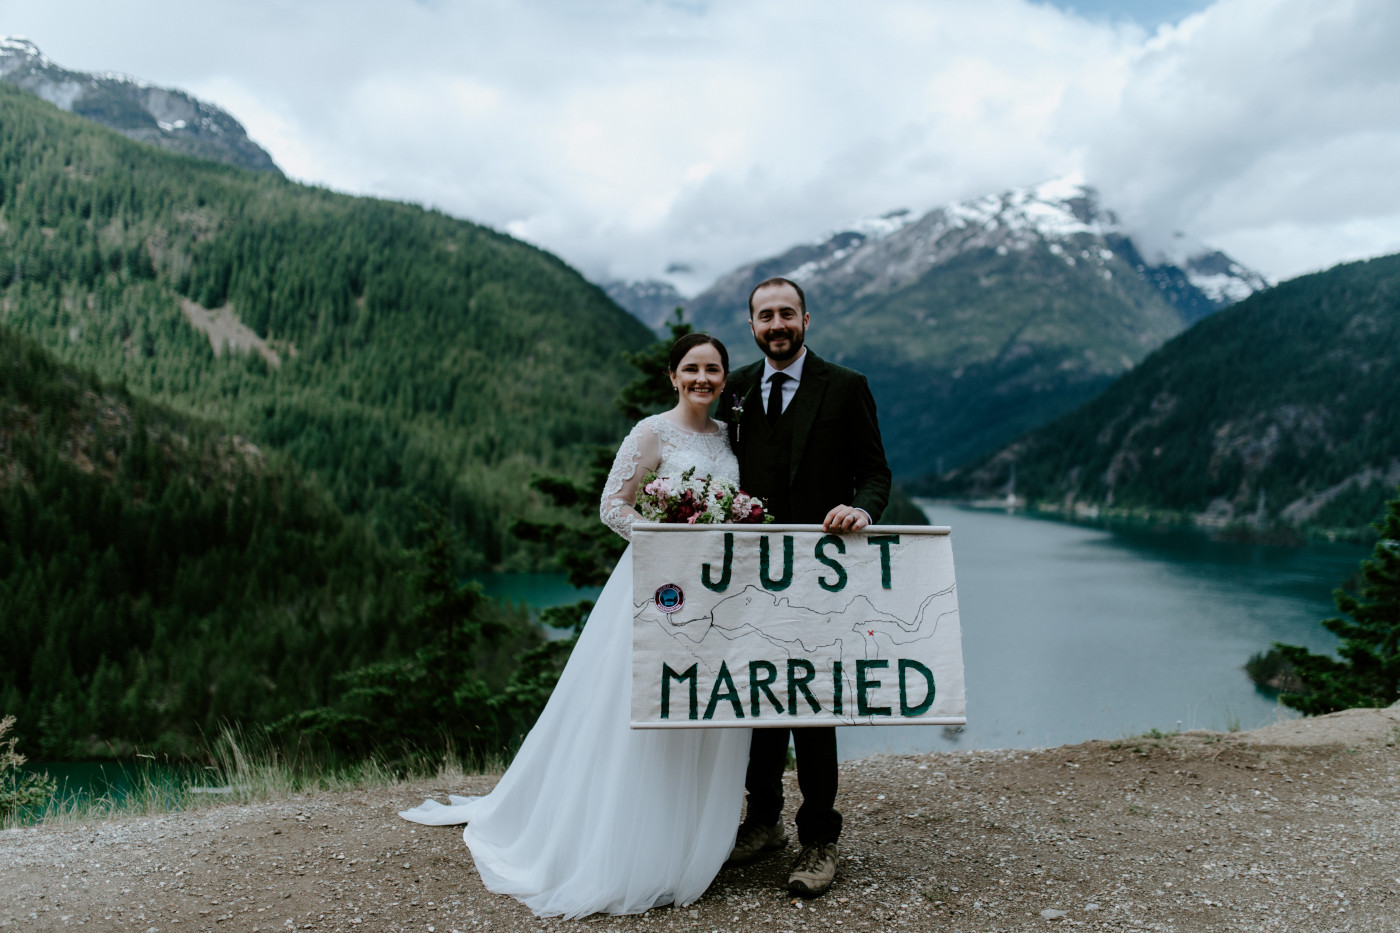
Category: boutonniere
[737,410]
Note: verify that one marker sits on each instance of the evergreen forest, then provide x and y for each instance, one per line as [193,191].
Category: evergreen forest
[161,578]
[1281,412]
[231,405]
[393,353]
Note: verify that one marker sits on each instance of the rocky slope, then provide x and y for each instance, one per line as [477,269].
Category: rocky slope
[983,319]
[882,255]
[650,301]
[164,117]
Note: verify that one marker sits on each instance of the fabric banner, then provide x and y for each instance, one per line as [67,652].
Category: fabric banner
[786,625]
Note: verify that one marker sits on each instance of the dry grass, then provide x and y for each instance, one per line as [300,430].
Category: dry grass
[246,768]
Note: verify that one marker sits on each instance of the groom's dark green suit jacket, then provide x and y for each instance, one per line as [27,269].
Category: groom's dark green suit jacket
[824,451]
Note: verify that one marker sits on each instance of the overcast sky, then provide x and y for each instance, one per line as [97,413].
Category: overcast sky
[630,135]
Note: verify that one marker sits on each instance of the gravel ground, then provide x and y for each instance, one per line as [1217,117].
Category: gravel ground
[1293,827]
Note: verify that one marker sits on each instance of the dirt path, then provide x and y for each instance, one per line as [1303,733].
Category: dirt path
[1294,827]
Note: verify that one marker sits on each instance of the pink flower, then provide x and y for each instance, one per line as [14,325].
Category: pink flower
[696,500]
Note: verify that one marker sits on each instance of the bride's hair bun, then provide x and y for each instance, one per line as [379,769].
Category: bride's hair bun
[689,342]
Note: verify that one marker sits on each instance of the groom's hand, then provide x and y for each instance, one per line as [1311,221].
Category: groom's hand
[845,518]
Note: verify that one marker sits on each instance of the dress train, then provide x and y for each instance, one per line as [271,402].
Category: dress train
[593,816]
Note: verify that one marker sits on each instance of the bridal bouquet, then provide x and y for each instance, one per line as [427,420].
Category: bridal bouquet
[706,501]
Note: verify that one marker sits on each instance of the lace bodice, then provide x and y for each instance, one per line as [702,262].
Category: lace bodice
[659,444]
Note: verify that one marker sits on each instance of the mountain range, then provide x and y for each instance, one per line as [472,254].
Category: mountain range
[985,318]
[163,117]
[1283,410]
[651,301]
[974,322]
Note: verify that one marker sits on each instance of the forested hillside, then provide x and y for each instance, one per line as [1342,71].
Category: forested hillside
[160,577]
[392,352]
[1282,410]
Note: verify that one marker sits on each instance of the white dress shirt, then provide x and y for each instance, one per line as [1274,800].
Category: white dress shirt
[794,376]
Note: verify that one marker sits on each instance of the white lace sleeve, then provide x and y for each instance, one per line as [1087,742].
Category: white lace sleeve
[640,452]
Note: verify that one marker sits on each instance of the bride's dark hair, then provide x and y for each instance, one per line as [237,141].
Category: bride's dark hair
[689,342]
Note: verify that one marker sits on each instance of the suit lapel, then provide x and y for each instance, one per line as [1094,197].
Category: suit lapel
[804,406]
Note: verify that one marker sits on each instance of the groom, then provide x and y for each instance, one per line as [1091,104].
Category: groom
[808,444]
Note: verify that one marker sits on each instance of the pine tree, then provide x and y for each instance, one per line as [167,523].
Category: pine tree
[587,549]
[19,789]
[1369,672]
[452,689]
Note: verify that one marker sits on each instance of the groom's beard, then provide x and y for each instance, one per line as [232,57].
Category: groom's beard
[794,345]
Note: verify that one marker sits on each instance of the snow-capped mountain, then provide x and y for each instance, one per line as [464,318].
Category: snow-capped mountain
[1215,275]
[884,254]
[987,317]
[164,117]
[651,301]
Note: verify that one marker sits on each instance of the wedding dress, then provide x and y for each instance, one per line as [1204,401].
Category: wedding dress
[593,816]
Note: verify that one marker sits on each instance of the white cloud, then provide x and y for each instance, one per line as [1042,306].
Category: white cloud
[628,134]
[1255,123]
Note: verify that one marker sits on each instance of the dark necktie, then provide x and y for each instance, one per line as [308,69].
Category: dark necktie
[775,397]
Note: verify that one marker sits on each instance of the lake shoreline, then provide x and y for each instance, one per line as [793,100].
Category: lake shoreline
[1073,632]
[1211,525]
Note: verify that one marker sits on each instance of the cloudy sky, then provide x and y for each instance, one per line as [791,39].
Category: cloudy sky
[629,136]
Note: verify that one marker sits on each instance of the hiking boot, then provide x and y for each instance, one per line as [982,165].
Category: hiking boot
[813,871]
[754,839]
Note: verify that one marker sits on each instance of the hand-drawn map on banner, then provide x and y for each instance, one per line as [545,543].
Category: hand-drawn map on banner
[785,625]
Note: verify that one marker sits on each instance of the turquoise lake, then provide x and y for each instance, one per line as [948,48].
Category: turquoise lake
[1073,632]
[1070,633]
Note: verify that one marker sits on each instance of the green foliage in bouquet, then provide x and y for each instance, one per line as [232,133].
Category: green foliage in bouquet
[705,501]
[1369,672]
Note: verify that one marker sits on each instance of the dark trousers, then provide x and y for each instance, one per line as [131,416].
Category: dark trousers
[815,747]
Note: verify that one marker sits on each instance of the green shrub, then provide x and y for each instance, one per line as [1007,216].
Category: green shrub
[1369,629]
[19,789]
[1271,671]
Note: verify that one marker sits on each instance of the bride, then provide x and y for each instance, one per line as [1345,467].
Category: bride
[592,816]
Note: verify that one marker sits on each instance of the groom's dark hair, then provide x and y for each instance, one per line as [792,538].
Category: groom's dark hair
[779,280]
[689,342]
